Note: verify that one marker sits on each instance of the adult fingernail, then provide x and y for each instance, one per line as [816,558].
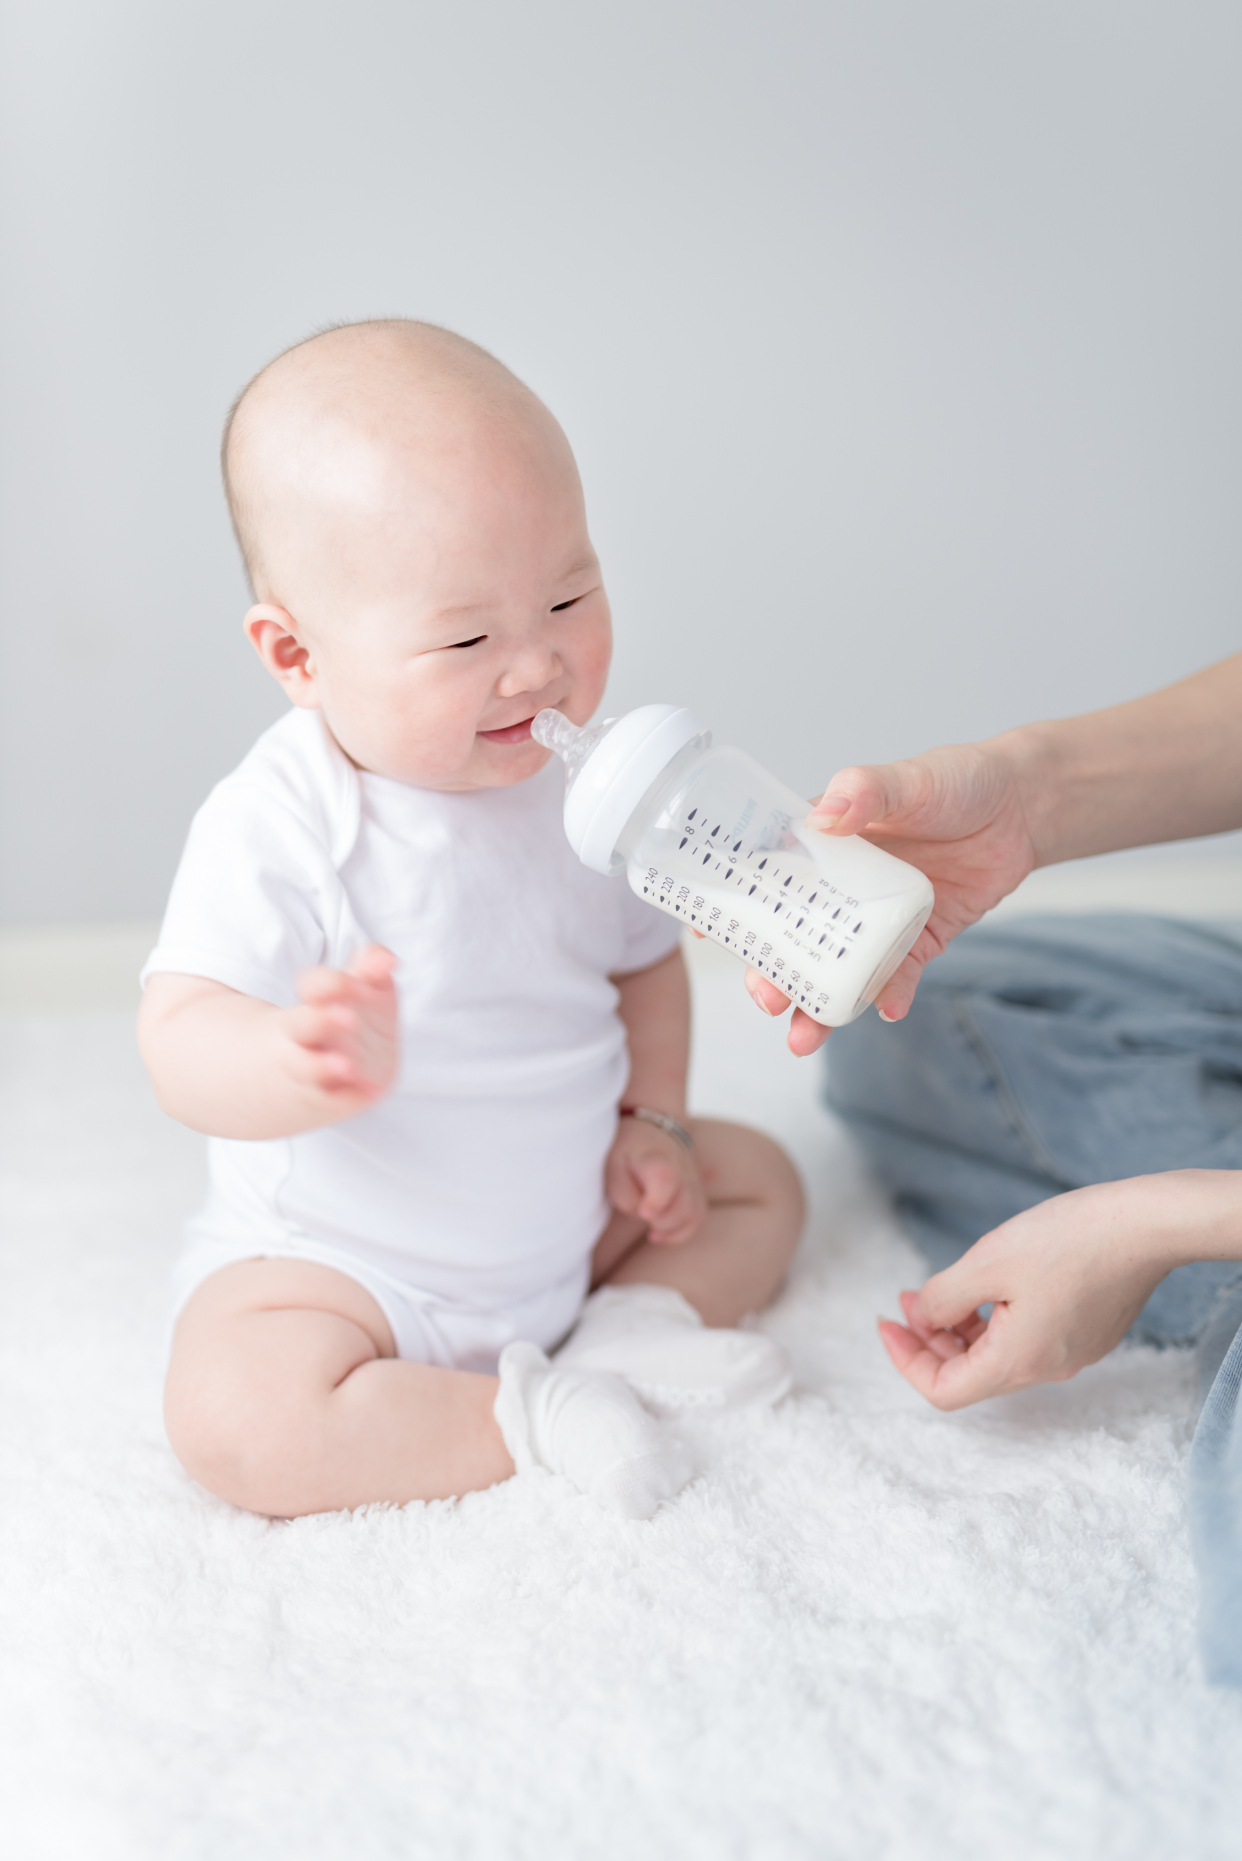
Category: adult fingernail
[889,1018]
[834,806]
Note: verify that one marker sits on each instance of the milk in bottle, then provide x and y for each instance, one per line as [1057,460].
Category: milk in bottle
[709,836]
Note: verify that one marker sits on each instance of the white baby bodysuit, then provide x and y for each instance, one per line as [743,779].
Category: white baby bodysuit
[468,1200]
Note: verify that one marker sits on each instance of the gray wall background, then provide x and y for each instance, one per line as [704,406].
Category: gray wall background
[898,340]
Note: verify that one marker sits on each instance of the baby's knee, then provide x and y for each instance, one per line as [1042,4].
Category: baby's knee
[765,1175]
[771,1166]
[782,1189]
[228,1437]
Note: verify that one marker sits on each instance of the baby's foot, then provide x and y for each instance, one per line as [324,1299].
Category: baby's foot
[656,1340]
[589,1426]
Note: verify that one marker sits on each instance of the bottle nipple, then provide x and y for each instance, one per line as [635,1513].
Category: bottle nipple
[602,792]
[572,743]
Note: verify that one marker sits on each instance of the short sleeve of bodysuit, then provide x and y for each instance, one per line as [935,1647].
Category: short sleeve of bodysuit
[257,898]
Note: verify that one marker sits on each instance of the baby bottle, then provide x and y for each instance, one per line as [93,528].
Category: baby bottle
[710,837]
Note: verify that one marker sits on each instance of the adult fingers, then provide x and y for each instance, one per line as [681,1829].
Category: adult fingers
[805,1036]
[894,1000]
[952,1298]
[947,1383]
[765,994]
[945,1344]
[867,795]
[969,1328]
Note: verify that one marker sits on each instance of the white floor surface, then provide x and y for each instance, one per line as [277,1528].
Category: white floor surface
[866,1630]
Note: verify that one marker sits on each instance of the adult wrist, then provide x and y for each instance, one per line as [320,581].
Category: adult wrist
[1035,763]
[1203,1214]
[1174,1217]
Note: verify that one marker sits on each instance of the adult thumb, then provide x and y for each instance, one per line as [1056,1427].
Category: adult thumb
[873,795]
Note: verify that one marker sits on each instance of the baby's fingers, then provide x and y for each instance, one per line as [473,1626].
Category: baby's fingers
[682,1214]
[316,1063]
[334,1072]
[320,987]
[374,965]
[368,977]
[318,1028]
[660,1184]
[335,1024]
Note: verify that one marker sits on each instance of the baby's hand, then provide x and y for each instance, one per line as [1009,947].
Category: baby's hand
[651,1175]
[345,1036]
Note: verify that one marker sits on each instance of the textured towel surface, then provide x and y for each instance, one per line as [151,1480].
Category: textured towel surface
[865,1630]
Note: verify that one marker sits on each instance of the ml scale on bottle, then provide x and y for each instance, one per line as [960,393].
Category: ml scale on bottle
[709,836]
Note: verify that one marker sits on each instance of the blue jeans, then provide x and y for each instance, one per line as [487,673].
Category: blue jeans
[1049,1053]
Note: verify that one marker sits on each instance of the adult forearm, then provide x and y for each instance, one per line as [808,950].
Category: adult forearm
[1164,767]
[1200,1215]
[655,1007]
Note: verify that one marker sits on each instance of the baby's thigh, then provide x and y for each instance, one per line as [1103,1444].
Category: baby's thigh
[257,1350]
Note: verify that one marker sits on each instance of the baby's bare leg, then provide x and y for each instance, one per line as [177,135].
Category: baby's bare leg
[285,1395]
[737,1260]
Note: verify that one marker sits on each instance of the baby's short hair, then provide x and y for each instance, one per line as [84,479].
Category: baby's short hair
[445,361]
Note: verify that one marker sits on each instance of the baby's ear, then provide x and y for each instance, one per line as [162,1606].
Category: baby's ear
[273,632]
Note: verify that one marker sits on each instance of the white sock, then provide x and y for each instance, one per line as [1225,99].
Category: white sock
[656,1340]
[590,1427]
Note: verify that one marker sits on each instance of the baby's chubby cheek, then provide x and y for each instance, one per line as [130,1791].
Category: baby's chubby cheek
[587,665]
[426,744]
[431,747]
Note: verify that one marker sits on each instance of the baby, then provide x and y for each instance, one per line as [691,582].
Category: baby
[442,1065]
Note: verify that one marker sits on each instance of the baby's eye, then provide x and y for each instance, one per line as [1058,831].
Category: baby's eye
[458,644]
[562,605]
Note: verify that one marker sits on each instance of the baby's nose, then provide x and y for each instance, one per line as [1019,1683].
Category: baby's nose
[531,670]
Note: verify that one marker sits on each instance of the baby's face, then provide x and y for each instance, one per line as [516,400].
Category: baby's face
[442,595]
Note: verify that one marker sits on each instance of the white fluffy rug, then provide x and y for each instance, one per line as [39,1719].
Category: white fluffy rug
[866,1630]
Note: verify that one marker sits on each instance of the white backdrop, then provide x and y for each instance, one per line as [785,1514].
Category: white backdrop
[898,342]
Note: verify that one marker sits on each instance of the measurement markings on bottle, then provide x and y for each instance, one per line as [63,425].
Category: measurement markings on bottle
[810,914]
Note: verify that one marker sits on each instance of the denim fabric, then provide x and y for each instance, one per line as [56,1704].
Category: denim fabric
[1050,1053]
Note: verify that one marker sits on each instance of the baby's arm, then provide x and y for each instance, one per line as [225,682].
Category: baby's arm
[231,1066]
[650,1174]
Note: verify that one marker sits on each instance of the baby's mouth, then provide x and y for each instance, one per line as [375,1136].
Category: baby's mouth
[512,733]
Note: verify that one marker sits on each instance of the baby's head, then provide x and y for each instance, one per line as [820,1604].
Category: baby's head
[413,527]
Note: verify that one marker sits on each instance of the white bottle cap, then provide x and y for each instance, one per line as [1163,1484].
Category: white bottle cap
[617,774]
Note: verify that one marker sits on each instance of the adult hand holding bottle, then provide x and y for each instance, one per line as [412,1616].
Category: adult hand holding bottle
[977,818]
[961,815]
